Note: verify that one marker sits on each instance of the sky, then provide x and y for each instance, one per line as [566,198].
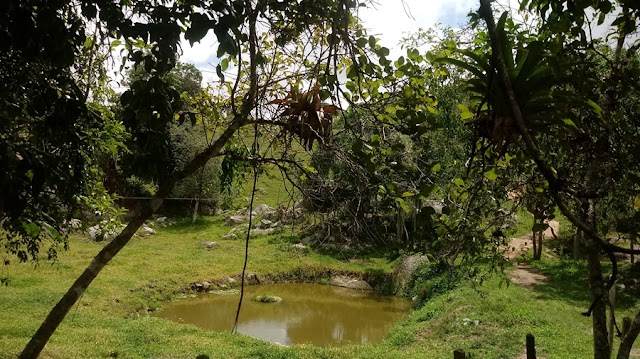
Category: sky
[389,20]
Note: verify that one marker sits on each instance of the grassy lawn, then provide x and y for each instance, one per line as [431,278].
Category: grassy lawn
[111,319]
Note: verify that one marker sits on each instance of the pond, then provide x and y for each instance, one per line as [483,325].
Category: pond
[308,314]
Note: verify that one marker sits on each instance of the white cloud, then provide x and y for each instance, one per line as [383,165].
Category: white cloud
[391,20]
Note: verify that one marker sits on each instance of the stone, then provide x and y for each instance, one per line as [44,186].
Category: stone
[161,219]
[75,223]
[403,271]
[262,232]
[223,286]
[230,236]
[264,210]
[267,299]
[211,245]
[146,230]
[231,281]
[206,286]
[252,279]
[235,220]
[350,282]
[300,247]
[264,223]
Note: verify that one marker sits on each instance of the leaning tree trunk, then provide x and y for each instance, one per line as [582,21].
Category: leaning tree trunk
[52,321]
[628,338]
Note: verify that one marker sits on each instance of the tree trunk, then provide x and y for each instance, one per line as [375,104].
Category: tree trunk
[632,245]
[629,337]
[534,243]
[601,347]
[540,240]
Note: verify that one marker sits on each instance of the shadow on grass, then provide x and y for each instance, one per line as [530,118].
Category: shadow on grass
[567,281]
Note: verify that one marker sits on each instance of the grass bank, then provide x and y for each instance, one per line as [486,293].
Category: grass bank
[111,319]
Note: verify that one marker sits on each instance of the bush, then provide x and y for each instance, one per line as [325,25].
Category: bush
[432,279]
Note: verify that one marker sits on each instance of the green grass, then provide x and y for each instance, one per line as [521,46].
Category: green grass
[111,319]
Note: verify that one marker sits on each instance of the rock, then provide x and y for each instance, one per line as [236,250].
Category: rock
[264,223]
[231,281]
[223,286]
[146,230]
[211,245]
[206,286]
[275,224]
[349,282]
[161,219]
[300,247]
[230,236]
[262,232]
[403,271]
[241,229]
[252,279]
[96,233]
[235,220]
[75,223]
[265,211]
[267,299]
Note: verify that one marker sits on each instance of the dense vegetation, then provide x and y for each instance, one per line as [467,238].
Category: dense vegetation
[431,152]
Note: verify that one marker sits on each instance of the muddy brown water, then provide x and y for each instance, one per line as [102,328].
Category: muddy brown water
[308,314]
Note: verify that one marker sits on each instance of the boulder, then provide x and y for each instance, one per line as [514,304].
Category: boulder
[264,210]
[350,282]
[230,236]
[252,279]
[264,223]
[235,220]
[231,281]
[146,230]
[262,232]
[211,245]
[300,247]
[161,219]
[205,285]
[404,270]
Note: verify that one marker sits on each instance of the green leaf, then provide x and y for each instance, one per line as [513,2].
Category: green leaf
[458,182]
[491,175]
[570,123]
[437,167]
[465,114]
[595,107]
[32,229]
[224,64]
[407,194]
[403,205]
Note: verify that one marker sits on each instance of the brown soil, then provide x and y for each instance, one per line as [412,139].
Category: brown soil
[524,275]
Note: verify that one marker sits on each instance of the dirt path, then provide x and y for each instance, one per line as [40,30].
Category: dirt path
[524,275]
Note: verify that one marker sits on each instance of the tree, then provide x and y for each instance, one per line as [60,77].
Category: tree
[151,33]
[564,27]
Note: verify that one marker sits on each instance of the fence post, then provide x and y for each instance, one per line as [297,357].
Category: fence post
[531,347]
[459,354]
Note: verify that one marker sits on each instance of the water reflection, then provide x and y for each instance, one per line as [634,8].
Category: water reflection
[309,313]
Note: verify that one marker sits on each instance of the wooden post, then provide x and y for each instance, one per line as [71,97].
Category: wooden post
[633,242]
[459,354]
[531,347]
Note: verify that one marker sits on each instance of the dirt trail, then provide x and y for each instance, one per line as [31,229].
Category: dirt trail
[524,275]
